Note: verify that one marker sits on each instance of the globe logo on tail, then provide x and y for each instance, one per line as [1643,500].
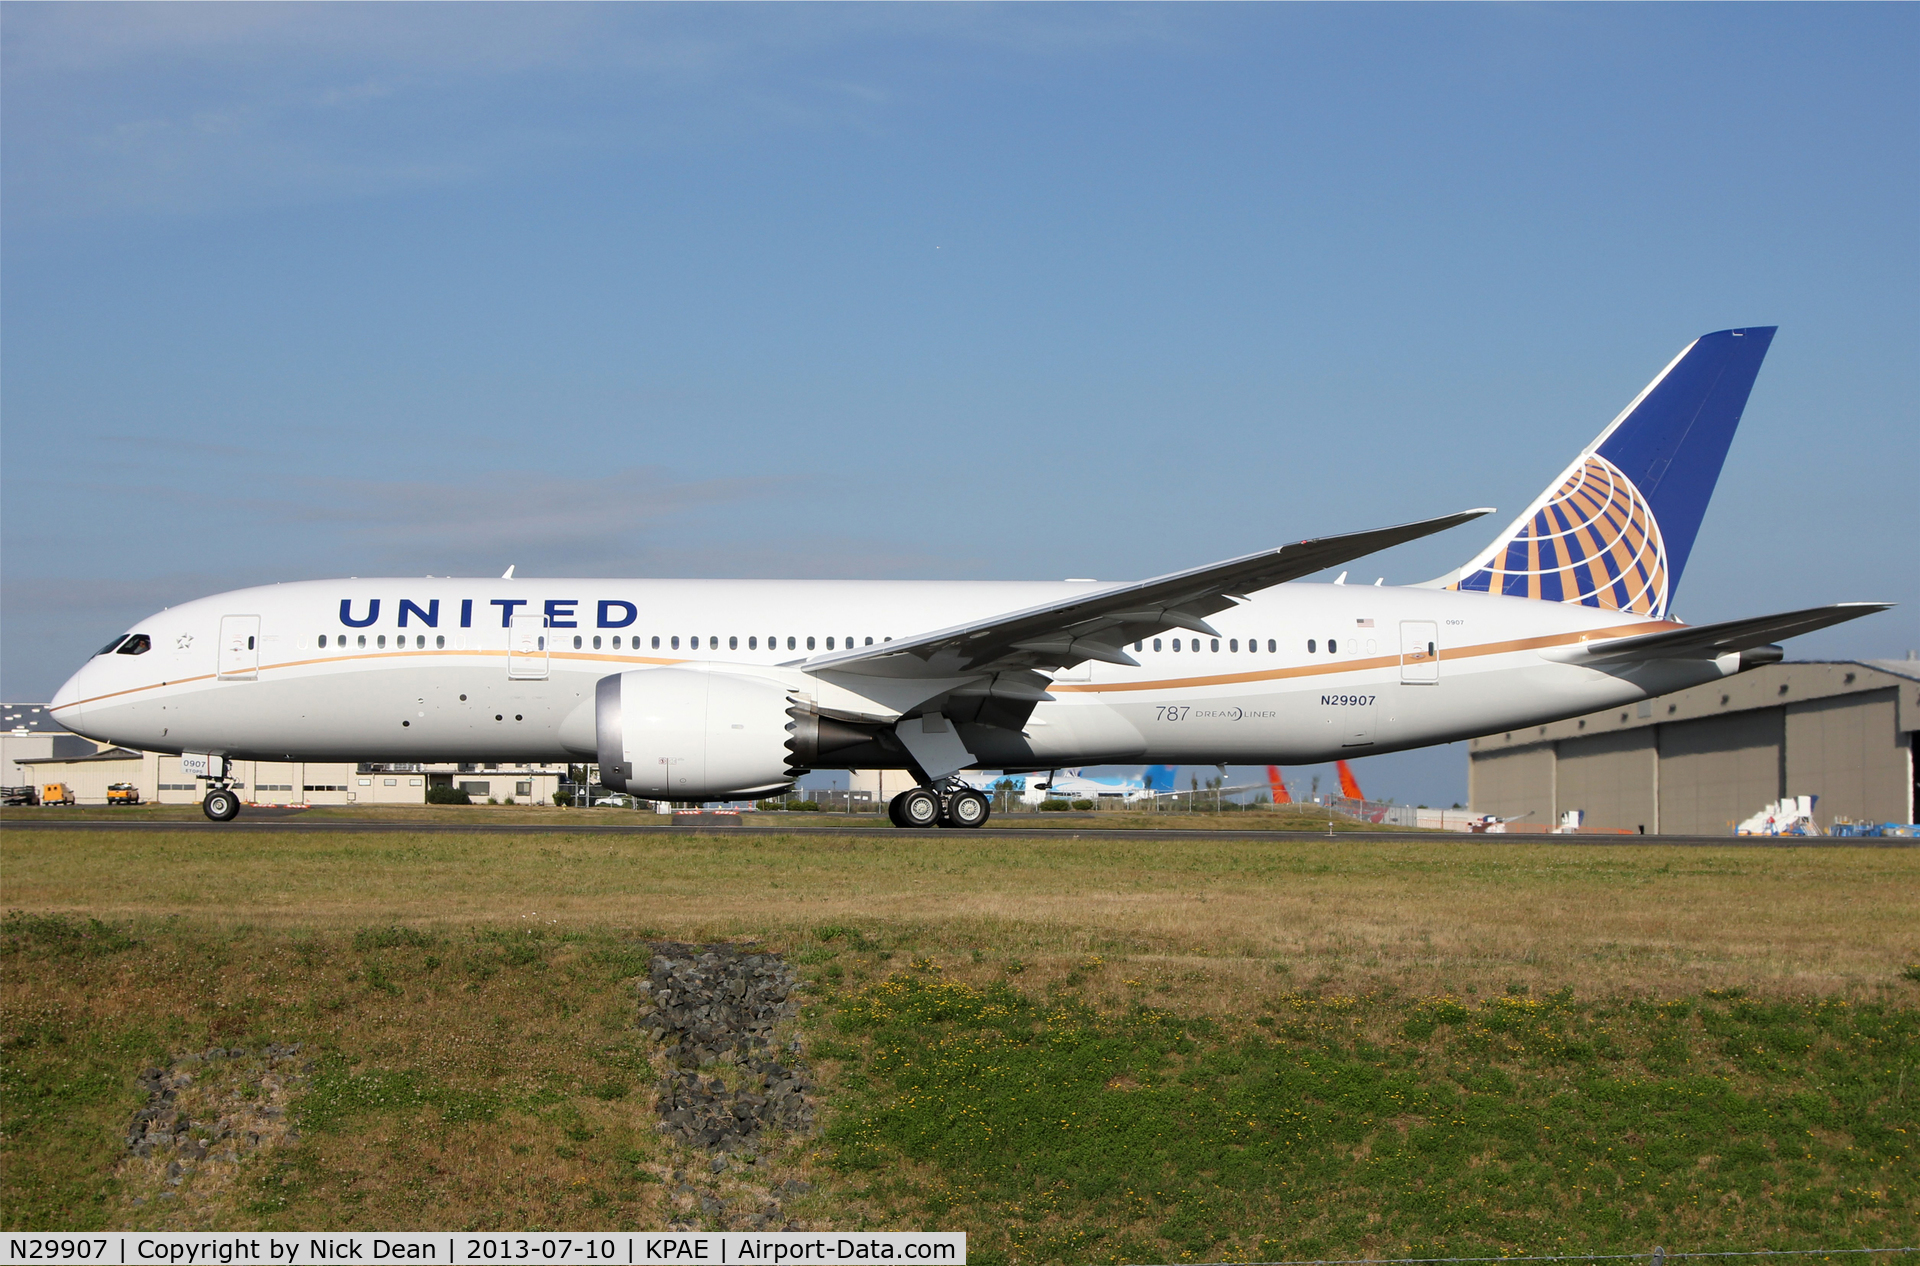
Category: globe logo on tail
[1594,541]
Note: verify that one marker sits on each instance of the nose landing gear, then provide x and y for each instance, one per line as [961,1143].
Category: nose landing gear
[221,805]
[944,805]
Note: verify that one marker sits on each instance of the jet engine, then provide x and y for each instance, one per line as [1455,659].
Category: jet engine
[677,734]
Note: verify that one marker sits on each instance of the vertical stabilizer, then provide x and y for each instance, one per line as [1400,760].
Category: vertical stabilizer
[1616,528]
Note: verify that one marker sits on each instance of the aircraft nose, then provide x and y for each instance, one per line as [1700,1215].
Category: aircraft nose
[66,706]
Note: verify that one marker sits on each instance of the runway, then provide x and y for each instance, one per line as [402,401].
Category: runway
[295,822]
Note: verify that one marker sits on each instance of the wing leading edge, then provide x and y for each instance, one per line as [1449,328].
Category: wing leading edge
[1098,624]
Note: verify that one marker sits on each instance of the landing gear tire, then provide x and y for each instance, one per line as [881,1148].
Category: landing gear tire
[966,809]
[917,808]
[221,805]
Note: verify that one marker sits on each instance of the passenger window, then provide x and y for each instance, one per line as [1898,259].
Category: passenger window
[829,643]
[576,642]
[1139,646]
[1156,643]
[596,641]
[809,643]
[733,643]
[541,643]
[1216,646]
[383,641]
[108,648]
[1270,646]
[1333,646]
[321,641]
[713,643]
[1312,645]
[249,643]
[790,645]
[869,641]
[656,642]
[440,642]
[1233,644]
[616,642]
[753,643]
[676,643]
[138,644]
[363,641]
[1176,644]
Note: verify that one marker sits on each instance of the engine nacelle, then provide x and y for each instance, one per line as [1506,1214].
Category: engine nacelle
[676,734]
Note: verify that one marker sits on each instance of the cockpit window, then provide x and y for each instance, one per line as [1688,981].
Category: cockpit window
[138,644]
[108,648]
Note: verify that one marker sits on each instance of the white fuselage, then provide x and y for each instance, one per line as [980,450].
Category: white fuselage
[1337,670]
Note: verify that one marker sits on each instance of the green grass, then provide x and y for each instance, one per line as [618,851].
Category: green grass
[1419,1127]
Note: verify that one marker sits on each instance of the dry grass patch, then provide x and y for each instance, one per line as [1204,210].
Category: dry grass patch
[1425,915]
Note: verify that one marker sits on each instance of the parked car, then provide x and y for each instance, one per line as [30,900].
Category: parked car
[123,793]
[615,801]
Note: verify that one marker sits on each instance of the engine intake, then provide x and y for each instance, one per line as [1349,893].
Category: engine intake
[678,734]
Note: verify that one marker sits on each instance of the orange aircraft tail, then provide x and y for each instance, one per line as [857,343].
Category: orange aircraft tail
[1279,785]
[1349,785]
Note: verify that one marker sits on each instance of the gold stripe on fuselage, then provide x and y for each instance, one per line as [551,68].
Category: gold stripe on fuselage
[1167,683]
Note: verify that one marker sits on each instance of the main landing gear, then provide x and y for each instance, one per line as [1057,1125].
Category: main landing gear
[955,806]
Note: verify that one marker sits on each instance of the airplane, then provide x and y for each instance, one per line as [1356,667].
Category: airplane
[1070,784]
[696,690]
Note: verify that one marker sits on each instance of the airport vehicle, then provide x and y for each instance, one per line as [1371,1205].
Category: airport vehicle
[1791,815]
[689,690]
[18,795]
[57,793]
[123,793]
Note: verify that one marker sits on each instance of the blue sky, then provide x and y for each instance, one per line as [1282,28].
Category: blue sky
[1025,291]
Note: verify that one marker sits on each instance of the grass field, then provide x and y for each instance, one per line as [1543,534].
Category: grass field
[1076,1050]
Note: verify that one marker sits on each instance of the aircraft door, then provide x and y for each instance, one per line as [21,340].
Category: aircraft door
[239,648]
[527,648]
[1419,652]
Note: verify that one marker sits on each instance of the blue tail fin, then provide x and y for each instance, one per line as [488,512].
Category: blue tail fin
[1159,777]
[1616,528]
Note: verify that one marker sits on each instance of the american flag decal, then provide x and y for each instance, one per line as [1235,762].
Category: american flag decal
[1594,542]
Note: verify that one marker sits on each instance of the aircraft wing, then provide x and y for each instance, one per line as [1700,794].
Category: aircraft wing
[1098,623]
[1708,641]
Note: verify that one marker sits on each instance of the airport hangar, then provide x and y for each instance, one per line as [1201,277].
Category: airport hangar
[1698,761]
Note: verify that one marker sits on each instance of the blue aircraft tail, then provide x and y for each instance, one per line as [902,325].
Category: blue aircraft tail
[1159,777]
[1616,528]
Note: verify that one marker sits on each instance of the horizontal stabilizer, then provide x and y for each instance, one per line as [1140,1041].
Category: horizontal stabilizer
[1710,641]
